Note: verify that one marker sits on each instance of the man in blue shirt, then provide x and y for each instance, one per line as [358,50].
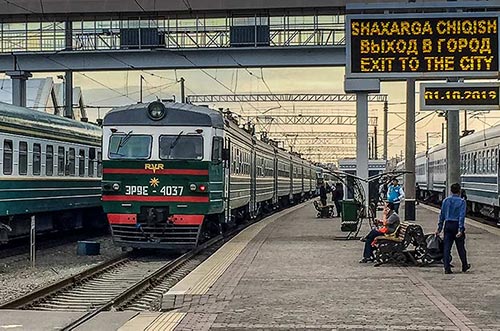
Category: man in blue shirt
[452,216]
[395,194]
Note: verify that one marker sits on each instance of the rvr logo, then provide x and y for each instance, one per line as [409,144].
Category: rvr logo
[153,166]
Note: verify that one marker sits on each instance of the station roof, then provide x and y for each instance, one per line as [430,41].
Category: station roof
[124,7]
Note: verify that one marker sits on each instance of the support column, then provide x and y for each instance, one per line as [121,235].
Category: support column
[452,149]
[386,125]
[410,151]
[19,78]
[68,94]
[362,140]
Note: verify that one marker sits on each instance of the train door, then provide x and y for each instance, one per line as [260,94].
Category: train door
[302,178]
[431,170]
[228,156]
[275,173]
[253,181]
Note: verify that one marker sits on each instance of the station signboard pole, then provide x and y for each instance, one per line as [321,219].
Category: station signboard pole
[410,151]
[362,87]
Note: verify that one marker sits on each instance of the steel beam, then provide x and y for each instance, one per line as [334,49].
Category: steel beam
[19,79]
[283,97]
[309,120]
[261,57]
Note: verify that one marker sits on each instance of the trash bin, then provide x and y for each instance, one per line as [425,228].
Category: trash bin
[349,216]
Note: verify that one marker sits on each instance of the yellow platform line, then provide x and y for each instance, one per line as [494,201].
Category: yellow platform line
[153,322]
[201,279]
[468,221]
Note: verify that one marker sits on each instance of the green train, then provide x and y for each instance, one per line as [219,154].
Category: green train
[50,168]
[176,174]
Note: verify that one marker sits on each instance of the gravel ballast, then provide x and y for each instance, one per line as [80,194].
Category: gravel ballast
[52,264]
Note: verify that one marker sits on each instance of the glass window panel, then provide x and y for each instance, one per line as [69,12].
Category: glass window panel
[60,161]
[49,160]
[37,155]
[81,162]
[71,165]
[7,157]
[126,146]
[23,158]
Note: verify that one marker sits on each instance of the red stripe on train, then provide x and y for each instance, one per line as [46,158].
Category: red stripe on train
[192,172]
[122,219]
[155,198]
[131,219]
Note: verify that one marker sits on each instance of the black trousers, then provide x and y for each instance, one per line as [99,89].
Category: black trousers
[338,207]
[450,237]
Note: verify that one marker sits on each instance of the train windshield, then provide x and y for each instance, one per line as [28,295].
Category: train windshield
[129,146]
[181,147]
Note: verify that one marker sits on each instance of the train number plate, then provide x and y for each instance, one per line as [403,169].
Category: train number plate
[136,190]
[172,190]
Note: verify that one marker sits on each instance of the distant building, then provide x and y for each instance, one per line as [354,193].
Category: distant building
[43,94]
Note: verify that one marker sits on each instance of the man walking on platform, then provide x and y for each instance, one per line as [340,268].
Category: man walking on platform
[395,194]
[452,216]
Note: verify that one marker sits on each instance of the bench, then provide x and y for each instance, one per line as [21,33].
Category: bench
[323,211]
[394,248]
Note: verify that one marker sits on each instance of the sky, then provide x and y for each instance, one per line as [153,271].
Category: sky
[121,88]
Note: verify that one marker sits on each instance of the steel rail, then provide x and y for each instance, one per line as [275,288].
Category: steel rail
[33,297]
[143,285]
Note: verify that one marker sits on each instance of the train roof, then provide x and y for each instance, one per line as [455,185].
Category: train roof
[178,114]
[36,123]
[483,135]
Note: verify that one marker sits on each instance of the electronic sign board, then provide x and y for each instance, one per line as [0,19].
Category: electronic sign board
[422,45]
[460,96]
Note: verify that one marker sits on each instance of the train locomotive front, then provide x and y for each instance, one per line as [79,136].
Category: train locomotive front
[163,174]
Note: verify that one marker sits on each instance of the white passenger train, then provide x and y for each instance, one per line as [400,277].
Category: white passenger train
[479,165]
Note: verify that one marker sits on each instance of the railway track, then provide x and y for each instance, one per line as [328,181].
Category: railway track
[127,282]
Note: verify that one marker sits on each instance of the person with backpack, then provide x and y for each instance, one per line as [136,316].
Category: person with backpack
[395,194]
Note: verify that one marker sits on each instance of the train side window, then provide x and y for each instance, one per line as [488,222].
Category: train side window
[23,158]
[49,160]
[37,155]
[81,162]
[488,163]
[474,165]
[7,157]
[217,149]
[60,161]
[91,161]
[99,164]
[71,165]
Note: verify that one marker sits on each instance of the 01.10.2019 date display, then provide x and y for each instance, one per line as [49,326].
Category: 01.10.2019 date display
[447,96]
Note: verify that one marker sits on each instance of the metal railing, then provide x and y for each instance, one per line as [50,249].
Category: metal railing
[147,33]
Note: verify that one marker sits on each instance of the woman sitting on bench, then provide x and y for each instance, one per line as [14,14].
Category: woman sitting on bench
[390,223]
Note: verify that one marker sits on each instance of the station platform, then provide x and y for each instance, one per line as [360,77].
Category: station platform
[287,272]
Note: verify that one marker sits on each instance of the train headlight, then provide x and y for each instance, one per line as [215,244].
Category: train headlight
[156,110]
[192,187]
[116,186]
